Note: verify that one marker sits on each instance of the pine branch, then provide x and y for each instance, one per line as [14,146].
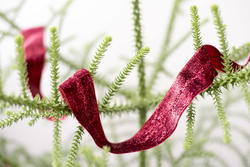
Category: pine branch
[195,22]
[57,144]
[165,46]
[99,55]
[128,93]
[137,24]
[68,63]
[9,21]
[131,107]
[222,116]
[197,42]
[33,104]
[102,161]
[74,146]
[45,107]
[13,118]
[63,13]
[54,54]
[240,52]
[89,155]
[120,158]
[119,80]
[221,28]
[59,12]
[98,161]
[141,70]
[171,23]
[190,127]
[230,80]
[21,66]
[158,153]
[1,80]
[246,94]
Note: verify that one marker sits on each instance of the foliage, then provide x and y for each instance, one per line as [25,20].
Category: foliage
[16,107]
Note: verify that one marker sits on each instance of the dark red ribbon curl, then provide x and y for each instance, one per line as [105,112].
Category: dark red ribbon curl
[196,76]
[35,58]
[79,92]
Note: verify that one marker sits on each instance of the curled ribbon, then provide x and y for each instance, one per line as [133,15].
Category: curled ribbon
[79,92]
[196,76]
[35,58]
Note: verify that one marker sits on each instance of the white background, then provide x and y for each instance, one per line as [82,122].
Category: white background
[88,19]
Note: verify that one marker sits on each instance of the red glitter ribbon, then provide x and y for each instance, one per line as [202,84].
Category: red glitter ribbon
[196,76]
[35,57]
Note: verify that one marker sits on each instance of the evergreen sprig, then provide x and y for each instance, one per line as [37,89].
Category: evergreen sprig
[130,107]
[195,26]
[233,80]
[54,54]
[99,55]
[36,103]
[240,52]
[165,51]
[222,115]
[13,118]
[57,143]
[190,127]
[97,161]
[4,17]
[141,69]
[221,31]
[75,146]
[158,153]
[137,24]
[41,108]
[197,42]
[246,93]
[116,85]
[21,66]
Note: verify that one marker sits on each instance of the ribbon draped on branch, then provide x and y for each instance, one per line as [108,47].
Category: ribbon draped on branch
[79,92]
[196,76]
[35,57]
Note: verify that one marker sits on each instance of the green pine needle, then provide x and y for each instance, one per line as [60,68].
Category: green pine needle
[91,159]
[246,94]
[119,80]
[221,31]
[13,117]
[158,153]
[165,50]
[222,116]
[102,161]
[75,147]
[141,68]
[240,52]
[137,24]
[21,66]
[99,55]
[57,144]
[190,127]
[195,22]
[197,42]
[88,155]
[54,54]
